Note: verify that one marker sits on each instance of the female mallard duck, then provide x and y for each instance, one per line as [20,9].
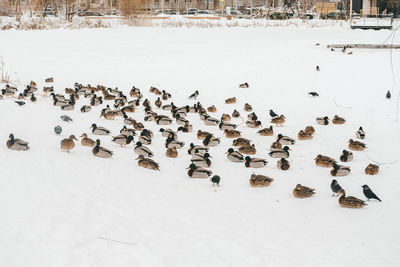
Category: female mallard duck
[187,128]
[86,108]
[283,164]
[48,89]
[128,120]
[303,135]
[101,152]
[356,145]
[266,131]
[142,150]
[138,125]
[234,156]
[85,141]
[350,202]
[275,146]
[147,163]
[309,129]
[198,149]
[372,169]
[171,142]
[301,191]
[253,124]
[254,162]
[323,120]
[163,120]
[211,141]
[279,121]
[241,142]
[127,131]
[129,109]
[232,133]
[171,152]
[346,156]
[248,108]
[212,109]
[17,144]
[231,100]
[134,92]
[281,153]
[210,121]
[227,126]
[202,162]
[324,161]
[181,120]
[249,149]
[225,117]
[68,144]
[122,139]
[202,134]
[155,90]
[158,102]
[99,130]
[235,114]
[260,180]
[285,140]
[198,172]
[340,170]
[360,134]
[338,120]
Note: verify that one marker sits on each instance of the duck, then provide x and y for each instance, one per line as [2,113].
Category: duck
[86,108]
[211,141]
[155,90]
[147,133]
[68,106]
[340,170]
[338,120]
[171,152]
[241,142]
[301,191]
[20,97]
[309,129]
[142,150]
[33,98]
[234,156]
[252,117]
[127,131]
[282,153]
[285,140]
[158,103]
[372,169]
[260,180]
[198,149]
[134,92]
[163,120]
[254,162]
[275,146]
[198,172]
[360,134]
[266,131]
[85,141]
[235,114]
[227,126]
[350,202]
[225,117]
[122,139]
[168,106]
[202,134]
[324,161]
[170,142]
[244,85]
[138,125]
[211,121]
[181,120]
[303,135]
[356,145]
[187,128]
[212,109]
[346,156]
[129,109]
[248,108]
[128,120]
[323,120]
[68,144]
[166,132]
[232,133]
[202,162]
[231,100]
[109,115]
[253,124]
[279,121]
[16,144]
[101,152]
[249,149]
[99,130]
[147,163]
[49,80]
[283,164]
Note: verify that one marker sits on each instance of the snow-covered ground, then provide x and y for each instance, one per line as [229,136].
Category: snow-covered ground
[60,209]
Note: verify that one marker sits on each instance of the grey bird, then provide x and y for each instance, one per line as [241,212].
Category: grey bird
[20,103]
[215,179]
[58,129]
[314,94]
[66,118]
[335,187]
[368,193]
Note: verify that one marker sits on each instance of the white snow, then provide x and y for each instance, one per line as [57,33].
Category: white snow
[59,209]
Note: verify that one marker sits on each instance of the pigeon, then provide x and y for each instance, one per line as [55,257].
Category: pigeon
[66,118]
[58,129]
[335,187]
[313,94]
[20,103]
[317,68]
[194,95]
[368,193]
[388,95]
[215,180]
[272,113]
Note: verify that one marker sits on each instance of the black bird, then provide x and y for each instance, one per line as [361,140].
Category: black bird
[335,187]
[194,95]
[215,180]
[368,193]
[272,113]
[313,94]
[388,95]
[317,68]
[20,103]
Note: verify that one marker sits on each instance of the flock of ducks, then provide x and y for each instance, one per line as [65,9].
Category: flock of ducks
[121,106]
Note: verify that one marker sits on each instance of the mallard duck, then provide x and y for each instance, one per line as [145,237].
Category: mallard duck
[324,161]
[202,162]
[127,131]
[244,85]
[99,130]
[49,80]
[266,131]
[202,134]
[283,164]
[211,121]
[171,142]
[167,132]
[109,115]
[163,120]
[155,90]
[232,133]
[231,100]
[338,120]
[249,149]
[235,114]
[346,156]
[171,152]
[340,170]
[68,106]
[181,120]
[101,152]
[303,135]
[212,109]
[129,109]
[68,144]
[128,120]
[138,125]
[142,150]
[158,102]
[248,108]
[356,145]
[260,180]
[253,124]
[227,126]
[17,144]
[187,128]
[211,141]
[372,169]
[252,117]
[234,156]
[255,162]
[20,97]
[350,202]
[301,191]
[86,108]
[122,139]
[309,129]
[360,134]
[147,163]
[282,153]
[85,141]
[279,121]
[241,142]
[275,146]
[323,120]
[198,172]
[198,149]
[33,98]
[225,117]
[285,140]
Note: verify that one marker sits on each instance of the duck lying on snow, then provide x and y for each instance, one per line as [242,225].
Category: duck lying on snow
[17,144]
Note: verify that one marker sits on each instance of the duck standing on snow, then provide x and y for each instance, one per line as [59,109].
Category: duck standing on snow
[283,164]
[266,131]
[346,156]
[369,194]
[356,145]
[335,187]
[283,153]
[85,141]
[372,169]
[101,152]
[275,146]
[255,162]
[360,134]
[211,121]
[16,144]
[340,170]
[260,180]
[234,156]
[350,202]
[301,191]
[323,120]
[198,172]
[244,85]
[99,130]
[68,144]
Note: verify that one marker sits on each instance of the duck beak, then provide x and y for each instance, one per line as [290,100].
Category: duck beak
[290,149]
[187,168]
[226,152]
[137,158]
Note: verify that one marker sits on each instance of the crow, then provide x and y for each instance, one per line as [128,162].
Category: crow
[313,94]
[272,113]
[368,193]
[215,180]
[58,129]
[194,95]
[388,95]
[66,118]
[335,187]
[20,103]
